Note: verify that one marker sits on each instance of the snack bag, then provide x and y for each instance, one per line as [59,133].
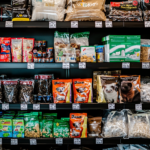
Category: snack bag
[50,116]
[62,92]
[82,89]
[130,89]
[16,49]
[26,91]
[28,45]
[78,125]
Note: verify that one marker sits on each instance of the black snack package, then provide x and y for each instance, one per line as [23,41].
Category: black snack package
[146,7]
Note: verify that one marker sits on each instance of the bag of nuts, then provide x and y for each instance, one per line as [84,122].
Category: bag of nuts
[26,91]
[10,90]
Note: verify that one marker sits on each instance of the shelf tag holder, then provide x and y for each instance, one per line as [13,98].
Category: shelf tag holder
[111,106]
[14,141]
[8,24]
[24,106]
[99,140]
[1,142]
[30,65]
[36,106]
[108,24]
[147,24]
[125,65]
[138,107]
[59,141]
[74,24]
[98,24]
[52,24]
[52,106]
[33,142]
[77,141]
[5,106]
[145,65]
[66,65]
[82,65]
[76,106]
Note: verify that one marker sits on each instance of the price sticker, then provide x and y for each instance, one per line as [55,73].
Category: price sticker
[99,140]
[98,24]
[75,106]
[52,106]
[30,65]
[77,141]
[5,106]
[138,106]
[108,24]
[74,24]
[24,106]
[36,106]
[111,106]
[33,142]
[145,66]
[82,65]
[14,141]
[0,141]
[125,65]
[59,141]
[52,24]
[147,24]
[66,65]
[9,24]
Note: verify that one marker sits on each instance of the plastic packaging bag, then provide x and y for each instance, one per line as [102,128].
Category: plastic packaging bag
[28,45]
[145,50]
[10,90]
[26,91]
[115,124]
[6,12]
[16,49]
[87,10]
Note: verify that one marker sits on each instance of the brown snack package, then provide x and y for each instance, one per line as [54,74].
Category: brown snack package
[94,126]
[85,10]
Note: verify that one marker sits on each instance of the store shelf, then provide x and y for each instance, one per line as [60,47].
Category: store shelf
[90,24]
[72,65]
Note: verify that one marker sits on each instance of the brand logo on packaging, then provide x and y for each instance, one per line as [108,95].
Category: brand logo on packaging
[135,3]
[73,116]
[84,49]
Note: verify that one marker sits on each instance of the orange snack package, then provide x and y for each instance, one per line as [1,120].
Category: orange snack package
[62,92]
[78,125]
[82,89]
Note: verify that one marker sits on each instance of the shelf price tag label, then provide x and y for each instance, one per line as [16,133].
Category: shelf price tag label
[99,140]
[9,24]
[5,106]
[138,106]
[98,24]
[52,24]
[74,24]
[111,106]
[33,142]
[66,65]
[36,106]
[145,65]
[52,106]
[24,106]
[108,24]
[147,24]
[14,141]
[30,65]
[77,141]
[0,141]
[59,141]
[82,65]
[75,106]
[125,65]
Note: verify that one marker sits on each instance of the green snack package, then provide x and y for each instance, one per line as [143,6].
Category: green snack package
[61,129]
[47,128]
[50,116]
[18,128]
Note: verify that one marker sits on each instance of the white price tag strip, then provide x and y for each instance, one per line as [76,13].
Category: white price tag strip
[138,106]
[59,141]
[52,106]
[76,106]
[66,65]
[1,141]
[30,66]
[52,24]
[98,24]
[147,24]
[125,65]
[36,106]
[74,24]
[9,24]
[33,142]
[99,140]
[24,106]
[14,141]
[108,24]
[5,106]
[77,141]
[145,65]
[111,106]
[82,65]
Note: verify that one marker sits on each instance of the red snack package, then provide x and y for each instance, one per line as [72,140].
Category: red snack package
[62,91]
[5,45]
[78,125]
[82,89]
[28,45]
[4,57]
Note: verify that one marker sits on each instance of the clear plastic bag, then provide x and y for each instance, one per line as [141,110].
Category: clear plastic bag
[115,124]
[26,91]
